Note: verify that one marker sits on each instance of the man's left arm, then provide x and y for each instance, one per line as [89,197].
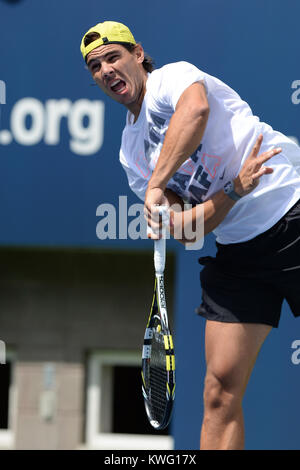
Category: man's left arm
[183,137]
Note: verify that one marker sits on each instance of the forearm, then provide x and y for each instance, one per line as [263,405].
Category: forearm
[183,137]
[192,224]
[215,210]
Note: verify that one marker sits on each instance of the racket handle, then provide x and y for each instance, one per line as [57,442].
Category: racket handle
[160,255]
[160,245]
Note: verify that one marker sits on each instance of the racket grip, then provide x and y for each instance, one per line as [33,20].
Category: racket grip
[160,255]
[160,245]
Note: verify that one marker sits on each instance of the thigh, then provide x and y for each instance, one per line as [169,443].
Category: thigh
[231,350]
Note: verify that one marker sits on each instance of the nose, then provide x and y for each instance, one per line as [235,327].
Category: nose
[107,71]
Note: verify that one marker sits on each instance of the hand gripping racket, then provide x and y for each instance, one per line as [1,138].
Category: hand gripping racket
[158,359]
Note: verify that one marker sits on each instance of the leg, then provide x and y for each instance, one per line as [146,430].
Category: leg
[231,351]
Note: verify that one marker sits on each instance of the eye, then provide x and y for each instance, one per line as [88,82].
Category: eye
[94,67]
[113,57]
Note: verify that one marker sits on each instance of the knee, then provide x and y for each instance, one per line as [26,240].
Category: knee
[222,395]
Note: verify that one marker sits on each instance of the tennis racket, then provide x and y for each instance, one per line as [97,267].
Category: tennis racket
[158,359]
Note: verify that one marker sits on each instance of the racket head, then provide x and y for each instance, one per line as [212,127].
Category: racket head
[158,363]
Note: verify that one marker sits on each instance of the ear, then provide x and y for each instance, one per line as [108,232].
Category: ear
[139,53]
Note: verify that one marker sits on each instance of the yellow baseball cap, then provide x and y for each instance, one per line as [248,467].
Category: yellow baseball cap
[110,32]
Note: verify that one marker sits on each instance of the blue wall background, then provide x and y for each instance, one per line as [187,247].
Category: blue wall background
[49,194]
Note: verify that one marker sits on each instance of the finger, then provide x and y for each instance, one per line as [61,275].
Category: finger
[158,214]
[155,233]
[152,234]
[256,146]
[155,226]
[153,220]
[171,220]
[264,157]
[151,212]
[265,170]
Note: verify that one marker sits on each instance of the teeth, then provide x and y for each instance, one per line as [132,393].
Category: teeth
[114,83]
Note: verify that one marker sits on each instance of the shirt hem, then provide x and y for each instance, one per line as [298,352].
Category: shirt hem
[272,222]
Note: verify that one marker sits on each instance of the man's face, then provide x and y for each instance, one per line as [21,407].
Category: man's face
[118,72]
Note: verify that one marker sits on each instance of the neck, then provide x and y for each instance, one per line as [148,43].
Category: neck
[135,108]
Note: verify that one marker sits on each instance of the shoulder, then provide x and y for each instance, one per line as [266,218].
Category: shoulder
[173,76]
[166,84]
[173,68]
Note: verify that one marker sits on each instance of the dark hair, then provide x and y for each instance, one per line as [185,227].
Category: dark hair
[148,62]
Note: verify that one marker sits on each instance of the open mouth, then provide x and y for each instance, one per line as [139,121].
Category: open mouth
[118,86]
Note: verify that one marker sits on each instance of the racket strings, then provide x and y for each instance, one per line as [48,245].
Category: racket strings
[158,378]
[158,368]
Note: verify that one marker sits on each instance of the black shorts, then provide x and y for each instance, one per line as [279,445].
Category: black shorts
[247,282]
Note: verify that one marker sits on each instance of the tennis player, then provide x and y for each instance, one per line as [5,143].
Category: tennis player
[190,137]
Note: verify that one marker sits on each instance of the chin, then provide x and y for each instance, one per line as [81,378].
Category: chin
[126,100]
